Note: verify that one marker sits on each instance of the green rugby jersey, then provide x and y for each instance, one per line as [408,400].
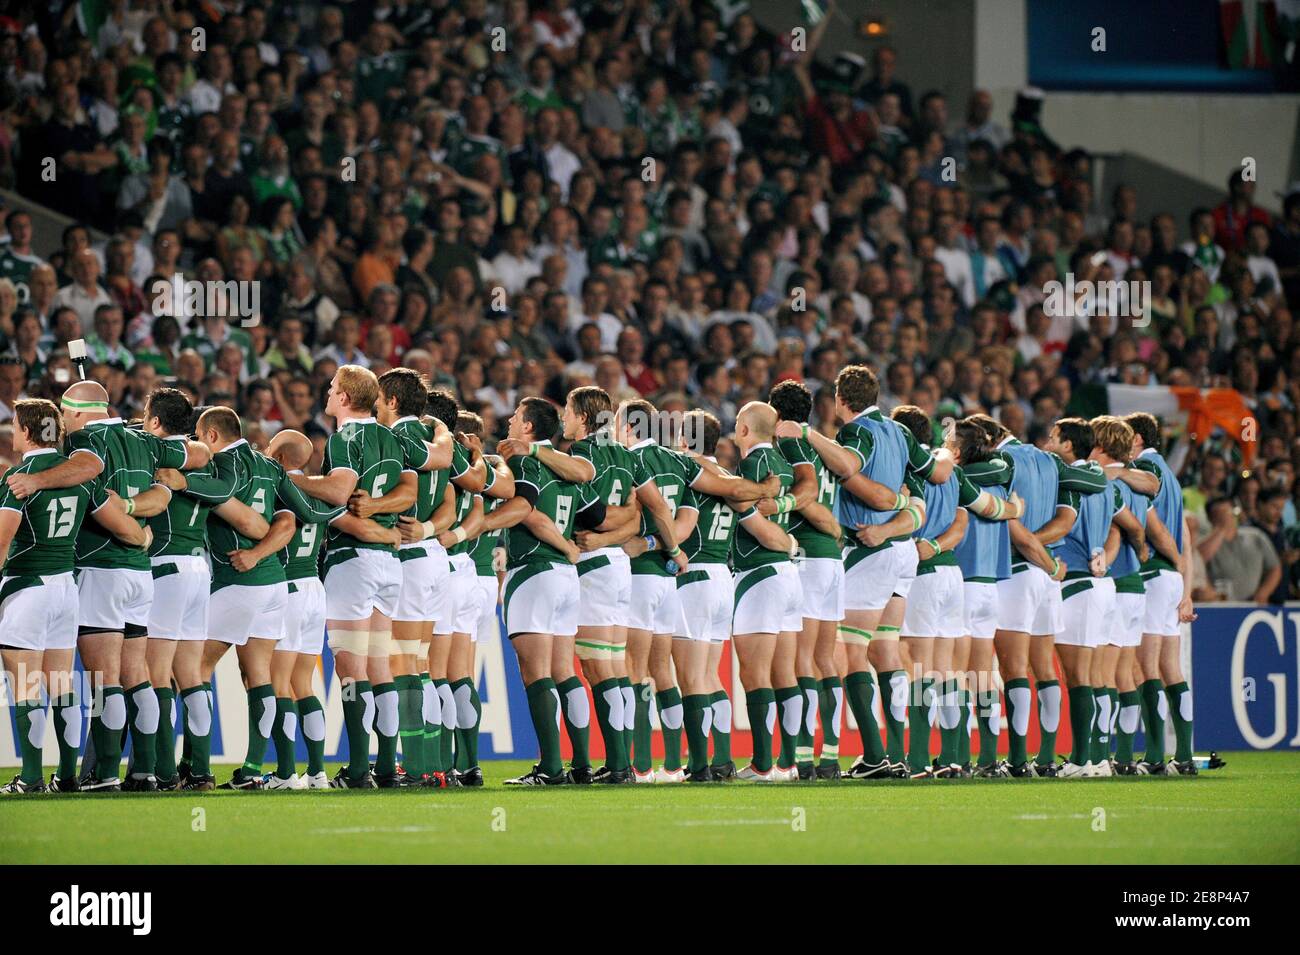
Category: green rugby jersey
[746,552]
[301,556]
[412,435]
[465,504]
[130,458]
[181,529]
[45,542]
[18,268]
[617,469]
[257,480]
[812,542]
[710,541]
[374,454]
[558,500]
[673,473]
[481,547]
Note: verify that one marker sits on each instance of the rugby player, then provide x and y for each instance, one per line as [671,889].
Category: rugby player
[363,579]
[1168,603]
[872,456]
[541,587]
[114,582]
[38,595]
[821,579]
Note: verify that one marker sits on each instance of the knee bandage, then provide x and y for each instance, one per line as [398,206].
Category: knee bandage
[595,650]
[380,644]
[350,641]
[407,648]
[886,633]
[853,636]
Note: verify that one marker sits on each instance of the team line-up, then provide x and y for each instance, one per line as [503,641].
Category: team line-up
[942,578]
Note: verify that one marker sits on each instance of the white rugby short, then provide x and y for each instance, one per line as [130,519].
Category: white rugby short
[1029,601]
[180,598]
[542,598]
[460,609]
[1130,611]
[425,570]
[39,613]
[1164,594]
[486,590]
[1088,613]
[980,608]
[707,596]
[654,605]
[934,605]
[605,586]
[304,617]
[822,582]
[870,581]
[114,599]
[768,600]
[237,612]
[369,581]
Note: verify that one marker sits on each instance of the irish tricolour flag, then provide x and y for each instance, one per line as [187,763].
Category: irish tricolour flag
[1198,410]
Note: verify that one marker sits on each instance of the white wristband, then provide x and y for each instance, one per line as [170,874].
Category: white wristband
[459,534]
[429,530]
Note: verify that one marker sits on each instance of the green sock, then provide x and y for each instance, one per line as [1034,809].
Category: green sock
[1101,725]
[1180,711]
[803,751]
[164,765]
[761,706]
[142,718]
[67,727]
[31,736]
[919,705]
[629,715]
[466,736]
[608,697]
[789,715]
[963,727]
[642,758]
[285,737]
[1083,714]
[1153,720]
[720,703]
[387,728]
[357,698]
[311,715]
[696,713]
[988,715]
[1130,708]
[860,688]
[107,729]
[197,728]
[543,703]
[830,701]
[187,745]
[1018,707]
[1049,720]
[447,738]
[432,730]
[577,719]
[261,720]
[410,723]
[669,702]
[894,696]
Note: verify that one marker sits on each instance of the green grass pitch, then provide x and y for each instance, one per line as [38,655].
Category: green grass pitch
[1246,812]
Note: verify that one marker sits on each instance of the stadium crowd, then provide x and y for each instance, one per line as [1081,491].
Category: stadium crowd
[653,196]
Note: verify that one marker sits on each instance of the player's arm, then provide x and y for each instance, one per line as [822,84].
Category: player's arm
[805,491]
[1144,482]
[612,536]
[1080,478]
[151,502]
[993,508]
[111,515]
[772,536]
[1133,531]
[443,516]
[567,467]
[277,538]
[734,487]
[509,514]
[399,499]
[366,530]
[243,519]
[308,509]
[903,524]
[1058,526]
[333,488]
[544,529]
[468,529]
[653,502]
[10,518]
[501,482]
[875,495]
[1158,537]
[842,462]
[439,448]
[1186,612]
[82,465]
[1114,537]
[948,540]
[1031,548]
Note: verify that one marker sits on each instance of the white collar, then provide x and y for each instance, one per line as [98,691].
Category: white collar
[234,444]
[544,443]
[1079,463]
[758,447]
[641,444]
[1005,441]
[1146,451]
[370,420]
[35,451]
[104,421]
[176,437]
[409,417]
